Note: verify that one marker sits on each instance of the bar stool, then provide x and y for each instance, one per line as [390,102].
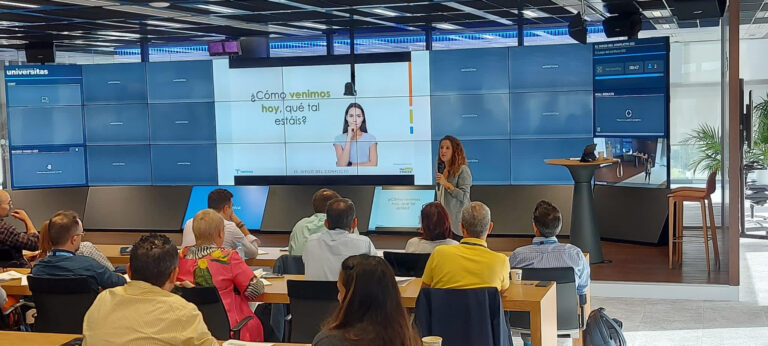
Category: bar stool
[676,201]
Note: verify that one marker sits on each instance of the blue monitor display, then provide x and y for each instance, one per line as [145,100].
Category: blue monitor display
[48,167]
[528,166]
[119,165]
[180,81]
[248,202]
[631,88]
[550,68]
[643,162]
[488,160]
[45,125]
[117,124]
[187,123]
[113,84]
[44,95]
[185,164]
[469,71]
[551,114]
[484,116]
[398,208]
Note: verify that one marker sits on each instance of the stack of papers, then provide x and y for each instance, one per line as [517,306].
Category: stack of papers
[403,280]
[259,273]
[12,275]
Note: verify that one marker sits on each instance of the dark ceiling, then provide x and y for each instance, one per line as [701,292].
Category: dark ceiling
[121,22]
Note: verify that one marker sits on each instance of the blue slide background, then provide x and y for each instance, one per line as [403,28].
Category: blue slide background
[248,202]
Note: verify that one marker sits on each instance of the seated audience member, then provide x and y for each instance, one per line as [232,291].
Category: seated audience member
[313,224]
[470,264]
[547,252]
[370,312]
[86,249]
[144,311]
[235,231]
[12,241]
[208,264]
[325,251]
[66,230]
[435,229]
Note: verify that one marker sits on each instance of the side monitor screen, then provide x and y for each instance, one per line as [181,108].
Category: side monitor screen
[248,202]
[398,208]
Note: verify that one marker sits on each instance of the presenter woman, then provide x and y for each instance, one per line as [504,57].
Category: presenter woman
[453,181]
[355,146]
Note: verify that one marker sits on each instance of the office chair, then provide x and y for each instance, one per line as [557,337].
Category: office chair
[61,303]
[312,302]
[570,308]
[407,264]
[209,303]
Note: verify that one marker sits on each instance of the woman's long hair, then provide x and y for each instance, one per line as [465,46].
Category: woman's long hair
[435,222]
[363,126]
[371,312]
[458,158]
[45,234]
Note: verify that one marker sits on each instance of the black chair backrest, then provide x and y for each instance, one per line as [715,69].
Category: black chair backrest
[407,264]
[289,264]
[311,303]
[209,303]
[61,302]
[7,258]
[567,298]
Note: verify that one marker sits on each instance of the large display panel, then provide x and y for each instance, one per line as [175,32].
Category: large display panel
[398,208]
[248,202]
[631,88]
[45,126]
[297,121]
[643,162]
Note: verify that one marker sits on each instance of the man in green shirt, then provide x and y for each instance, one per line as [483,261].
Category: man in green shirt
[313,224]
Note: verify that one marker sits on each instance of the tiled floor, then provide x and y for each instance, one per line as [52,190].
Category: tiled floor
[695,322]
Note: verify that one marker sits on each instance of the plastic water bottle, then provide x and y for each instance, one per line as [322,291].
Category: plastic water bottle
[240,250]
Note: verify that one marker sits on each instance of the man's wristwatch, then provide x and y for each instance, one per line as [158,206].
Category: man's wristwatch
[240,224]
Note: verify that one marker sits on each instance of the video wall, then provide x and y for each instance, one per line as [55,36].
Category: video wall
[203,123]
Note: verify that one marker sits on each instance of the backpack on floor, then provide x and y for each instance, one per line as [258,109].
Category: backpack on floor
[602,330]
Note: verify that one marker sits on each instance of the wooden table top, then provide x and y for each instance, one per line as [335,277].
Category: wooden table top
[43,339]
[567,162]
[517,297]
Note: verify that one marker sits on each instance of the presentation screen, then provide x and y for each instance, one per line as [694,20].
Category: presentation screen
[297,121]
[644,161]
[248,202]
[631,88]
[398,208]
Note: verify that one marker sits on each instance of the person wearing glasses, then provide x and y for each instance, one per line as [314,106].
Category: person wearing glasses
[66,232]
[13,242]
[86,248]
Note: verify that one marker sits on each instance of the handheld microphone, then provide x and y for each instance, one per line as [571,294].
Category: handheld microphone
[440,167]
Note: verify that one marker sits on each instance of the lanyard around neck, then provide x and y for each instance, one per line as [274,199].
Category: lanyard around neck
[473,244]
[548,241]
[60,253]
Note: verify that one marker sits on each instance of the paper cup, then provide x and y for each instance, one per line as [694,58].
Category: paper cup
[600,155]
[431,341]
[516,276]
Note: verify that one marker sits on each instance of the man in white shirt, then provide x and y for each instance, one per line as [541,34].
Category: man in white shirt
[312,224]
[325,251]
[235,231]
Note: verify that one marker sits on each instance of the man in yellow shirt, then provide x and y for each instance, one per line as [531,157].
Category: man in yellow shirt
[144,311]
[470,264]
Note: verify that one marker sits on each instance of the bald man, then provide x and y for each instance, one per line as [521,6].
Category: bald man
[11,241]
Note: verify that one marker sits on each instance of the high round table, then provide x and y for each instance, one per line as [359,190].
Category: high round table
[584,233]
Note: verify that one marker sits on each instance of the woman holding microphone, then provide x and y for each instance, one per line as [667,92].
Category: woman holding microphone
[453,181]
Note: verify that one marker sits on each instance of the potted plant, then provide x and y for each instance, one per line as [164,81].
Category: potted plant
[759,151]
[706,139]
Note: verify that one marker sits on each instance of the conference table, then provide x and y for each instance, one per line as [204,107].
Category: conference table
[53,339]
[266,258]
[540,302]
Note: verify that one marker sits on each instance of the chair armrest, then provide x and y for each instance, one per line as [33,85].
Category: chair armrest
[582,313]
[235,331]
[241,324]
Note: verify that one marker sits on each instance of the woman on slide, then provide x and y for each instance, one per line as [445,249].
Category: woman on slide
[453,181]
[355,146]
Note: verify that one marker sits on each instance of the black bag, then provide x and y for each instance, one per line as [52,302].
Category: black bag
[602,330]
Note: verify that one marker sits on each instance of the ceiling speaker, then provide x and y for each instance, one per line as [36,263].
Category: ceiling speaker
[623,25]
[577,29]
[40,52]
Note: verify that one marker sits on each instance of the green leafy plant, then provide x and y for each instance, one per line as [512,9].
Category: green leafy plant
[760,134]
[706,139]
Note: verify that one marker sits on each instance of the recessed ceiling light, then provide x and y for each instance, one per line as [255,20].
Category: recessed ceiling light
[656,14]
[159,23]
[17,4]
[119,34]
[446,26]
[311,25]
[530,13]
[384,11]
[159,4]
[214,8]
[666,26]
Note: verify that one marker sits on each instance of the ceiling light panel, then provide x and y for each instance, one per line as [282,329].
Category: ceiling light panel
[89,2]
[446,26]
[216,8]
[17,4]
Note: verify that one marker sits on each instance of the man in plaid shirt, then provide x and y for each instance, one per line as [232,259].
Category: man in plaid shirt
[11,241]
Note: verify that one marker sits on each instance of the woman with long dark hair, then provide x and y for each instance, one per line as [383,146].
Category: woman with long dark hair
[435,230]
[454,181]
[355,146]
[370,312]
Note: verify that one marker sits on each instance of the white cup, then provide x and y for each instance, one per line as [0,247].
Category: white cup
[600,155]
[516,276]
[431,341]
